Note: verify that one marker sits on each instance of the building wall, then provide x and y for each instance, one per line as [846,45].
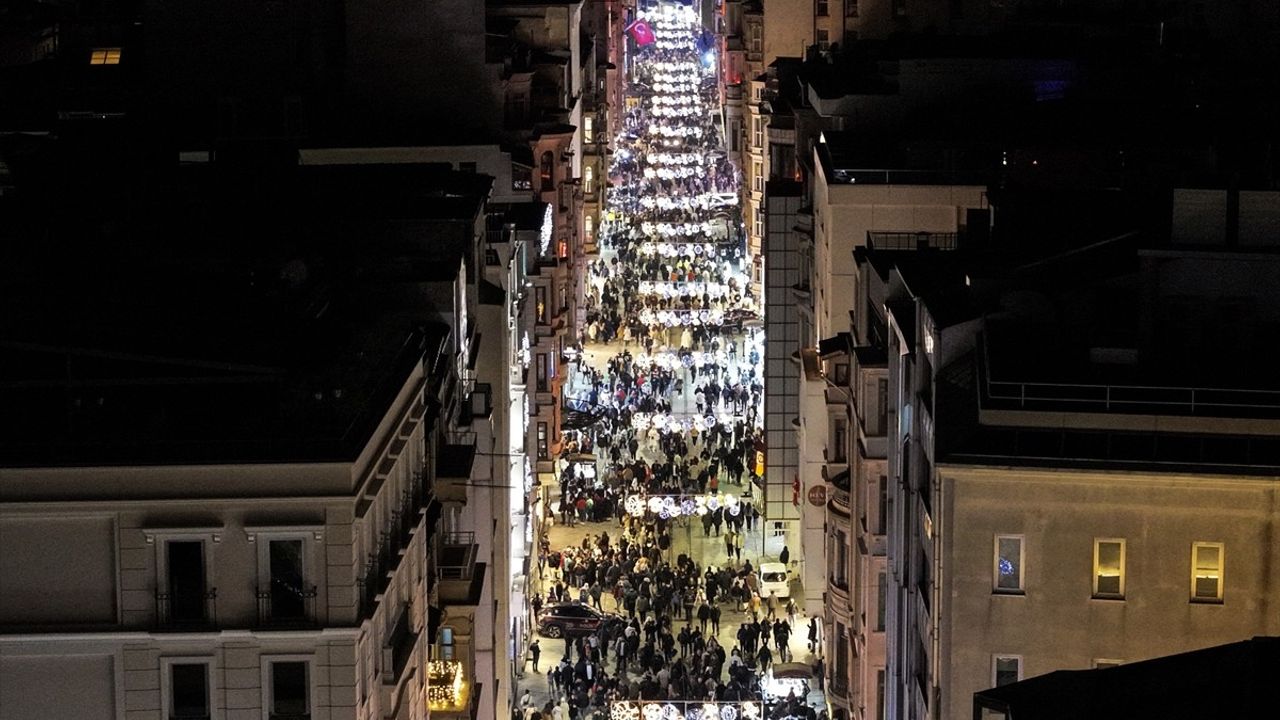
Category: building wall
[1058,624]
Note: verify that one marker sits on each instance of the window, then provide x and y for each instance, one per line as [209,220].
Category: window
[880,596]
[820,8]
[543,372]
[288,593]
[880,705]
[547,172]
[184,587]
[841,670]
[839,439]
[1206,571]
[491,257]
[446,643]
[851,8]
[185,687]
[1005,669]
[839,552]
[882,409]
[540,298]
[588,129]
[753,42]
[1108,569]
[1008,564]
[1107,663]
[882,510]
[287,684]
[588,180]
[757,136]
[757,177]
[543,452]
[842,369]
[105,56]
[589,225]
[822,39]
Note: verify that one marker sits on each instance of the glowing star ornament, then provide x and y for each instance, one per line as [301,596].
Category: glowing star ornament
[624,711]
[750,711]
[671,712]
[652,711]
[635,505]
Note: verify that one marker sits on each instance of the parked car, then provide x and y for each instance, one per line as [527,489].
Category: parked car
[774,577]
[573,618]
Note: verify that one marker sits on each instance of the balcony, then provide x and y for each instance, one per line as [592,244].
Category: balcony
[913,240]
[281,606]
[461,577]
[454,460]
[187,611]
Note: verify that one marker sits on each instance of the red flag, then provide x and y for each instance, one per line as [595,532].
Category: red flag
[641,33]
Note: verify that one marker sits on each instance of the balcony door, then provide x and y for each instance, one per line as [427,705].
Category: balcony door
[186,580]
[287,588]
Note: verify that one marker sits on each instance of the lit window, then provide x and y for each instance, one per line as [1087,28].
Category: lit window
[105,56]
[1108,569]
[446,643]
[588,129]
[1008,564]
[1206,571]
[1005,669]
[589,179]
[1101,663]
[590,226]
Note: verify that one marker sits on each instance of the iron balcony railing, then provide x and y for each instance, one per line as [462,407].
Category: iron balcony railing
[284,605]
[187,610]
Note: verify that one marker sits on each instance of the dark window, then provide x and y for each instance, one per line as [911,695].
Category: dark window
[851,8]
[882,512]
[1008,670]
[286,579]
[491,257]
[820,8]
[186,580]
[542,372]
[289,690]
[189,690]
[543,452]
[882,400]
[547,172]
[880,597]
[880,695]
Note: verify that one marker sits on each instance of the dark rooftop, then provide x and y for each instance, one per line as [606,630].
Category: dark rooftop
[1228,682]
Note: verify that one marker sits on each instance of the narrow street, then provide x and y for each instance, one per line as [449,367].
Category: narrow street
[655,522]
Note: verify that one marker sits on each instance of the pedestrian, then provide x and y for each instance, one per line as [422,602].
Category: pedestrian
[785,556]
[535,652]
[813,634]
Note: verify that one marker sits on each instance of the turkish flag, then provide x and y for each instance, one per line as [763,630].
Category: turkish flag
[642,33]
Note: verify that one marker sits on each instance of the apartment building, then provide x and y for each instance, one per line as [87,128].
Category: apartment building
[1074,489]
[269,549]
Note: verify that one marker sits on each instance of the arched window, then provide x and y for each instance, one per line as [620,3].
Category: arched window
[548,171]
[588,180]
[590,224]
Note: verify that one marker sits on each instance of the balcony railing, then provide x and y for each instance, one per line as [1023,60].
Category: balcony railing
[457,555]
[283,606]
[187,610]
[913,240]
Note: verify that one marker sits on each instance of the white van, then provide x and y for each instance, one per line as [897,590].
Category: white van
[773,577]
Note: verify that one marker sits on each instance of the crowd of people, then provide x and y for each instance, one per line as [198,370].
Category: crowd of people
[673,379]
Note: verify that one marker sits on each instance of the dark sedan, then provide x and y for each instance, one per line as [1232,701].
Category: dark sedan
[563,619]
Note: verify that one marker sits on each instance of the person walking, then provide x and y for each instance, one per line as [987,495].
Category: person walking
[535,652]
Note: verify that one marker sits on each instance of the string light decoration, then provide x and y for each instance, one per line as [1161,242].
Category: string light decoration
[673,506]
[446,689]
[685,710]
